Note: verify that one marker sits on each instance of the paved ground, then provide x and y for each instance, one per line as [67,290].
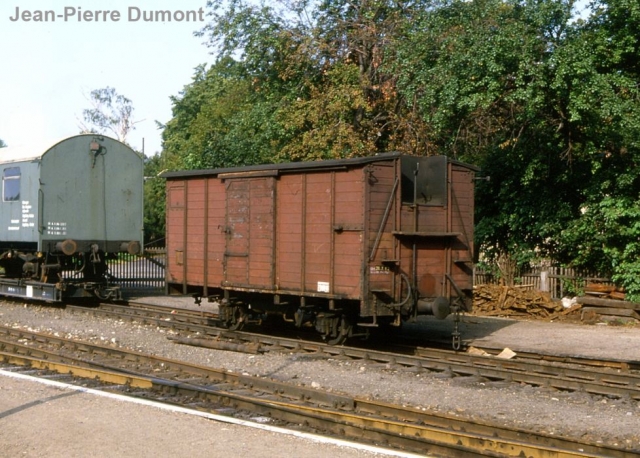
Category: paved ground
[38,420]
[556,338]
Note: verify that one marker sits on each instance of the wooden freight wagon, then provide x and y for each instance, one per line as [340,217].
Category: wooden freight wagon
[366,241]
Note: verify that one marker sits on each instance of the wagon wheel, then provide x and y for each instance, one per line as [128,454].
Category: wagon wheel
[238,318]
[344,329]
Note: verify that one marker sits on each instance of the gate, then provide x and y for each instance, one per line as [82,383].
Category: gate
[140,274]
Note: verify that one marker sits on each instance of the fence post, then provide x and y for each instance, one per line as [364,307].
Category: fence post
[544,281]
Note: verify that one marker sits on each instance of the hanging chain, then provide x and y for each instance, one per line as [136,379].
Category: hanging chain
[456,339]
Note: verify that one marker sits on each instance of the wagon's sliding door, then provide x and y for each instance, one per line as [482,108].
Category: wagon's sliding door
[248,257]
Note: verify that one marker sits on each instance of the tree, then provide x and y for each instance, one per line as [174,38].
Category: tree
[154,200]
[2,144]
[605,100]
[219,120]
[109,112]
[315,72]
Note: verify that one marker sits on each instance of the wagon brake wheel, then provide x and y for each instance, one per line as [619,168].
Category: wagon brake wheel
[344,329]
[238,318]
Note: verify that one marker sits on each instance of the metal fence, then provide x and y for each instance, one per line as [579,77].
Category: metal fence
[144,274]
[557,281]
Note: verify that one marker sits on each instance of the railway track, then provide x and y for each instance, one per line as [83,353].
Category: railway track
[216,390]
[616,379]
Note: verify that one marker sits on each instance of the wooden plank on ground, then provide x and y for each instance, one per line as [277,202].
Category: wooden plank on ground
[613,303]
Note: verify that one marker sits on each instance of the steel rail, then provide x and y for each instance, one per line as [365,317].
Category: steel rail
[590,378]
[373,421]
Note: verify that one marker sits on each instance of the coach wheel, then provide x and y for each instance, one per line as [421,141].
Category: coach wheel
[238,318]
[343,331]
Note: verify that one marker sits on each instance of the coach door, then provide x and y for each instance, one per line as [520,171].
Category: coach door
[249,229]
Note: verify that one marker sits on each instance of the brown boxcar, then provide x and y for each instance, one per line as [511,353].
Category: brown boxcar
[340,244]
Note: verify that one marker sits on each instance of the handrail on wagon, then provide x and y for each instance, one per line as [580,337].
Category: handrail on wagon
[384,220]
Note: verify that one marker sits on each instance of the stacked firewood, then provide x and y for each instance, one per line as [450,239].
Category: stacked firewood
[497,300]
[600,302]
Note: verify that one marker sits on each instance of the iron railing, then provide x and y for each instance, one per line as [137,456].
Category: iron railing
[143,273]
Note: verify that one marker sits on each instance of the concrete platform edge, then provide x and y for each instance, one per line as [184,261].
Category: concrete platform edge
[214,417]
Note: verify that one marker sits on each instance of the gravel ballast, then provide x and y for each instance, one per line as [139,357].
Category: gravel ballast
[579,415]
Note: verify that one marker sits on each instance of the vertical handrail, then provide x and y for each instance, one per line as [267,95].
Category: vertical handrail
[41,227]
[384,221]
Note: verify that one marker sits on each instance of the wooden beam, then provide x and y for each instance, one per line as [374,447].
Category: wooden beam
[612,303]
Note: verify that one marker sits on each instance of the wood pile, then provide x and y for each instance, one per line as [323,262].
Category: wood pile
[600,303]
[607,302]
[497,300]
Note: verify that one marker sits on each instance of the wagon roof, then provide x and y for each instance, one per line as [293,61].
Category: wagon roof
[290,166]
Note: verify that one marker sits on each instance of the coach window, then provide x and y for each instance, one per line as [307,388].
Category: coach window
[11,184]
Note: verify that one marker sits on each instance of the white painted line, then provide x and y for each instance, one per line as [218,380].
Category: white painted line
[210,416]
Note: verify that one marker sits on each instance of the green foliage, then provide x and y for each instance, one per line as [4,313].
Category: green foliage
[315,77]
[218,121]
[606,238]
[154,200]
[573,287]
[602,73]
[2,144]
[321,126]
[477,72]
